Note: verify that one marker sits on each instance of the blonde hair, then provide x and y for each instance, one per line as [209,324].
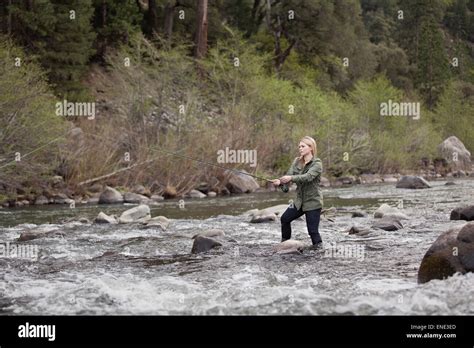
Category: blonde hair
[312,144]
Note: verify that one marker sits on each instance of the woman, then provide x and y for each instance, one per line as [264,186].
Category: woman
[305,171]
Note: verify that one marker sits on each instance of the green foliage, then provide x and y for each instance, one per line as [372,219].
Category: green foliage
[29,128]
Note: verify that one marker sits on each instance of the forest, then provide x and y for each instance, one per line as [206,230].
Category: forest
[197,77]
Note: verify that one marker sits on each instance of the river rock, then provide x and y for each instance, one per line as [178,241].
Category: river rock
[136,214]
[370,179]
[450,183]
[39,232]
[61,198]
[463,213]
[41,200]
[263,217]
[385,209]
[359,213]
[289,246]
[158,221]
[210,233]
[412,182]
[110,196]
[241,183]
[202,244]
[130,197]
[388,223]
[358,230]
[196,194]
[211,194]
[157,198]
[452,251]
[103,218]
[453,151]
[389,178]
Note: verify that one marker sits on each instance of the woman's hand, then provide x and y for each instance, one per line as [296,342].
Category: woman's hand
[285,179]
[276,182]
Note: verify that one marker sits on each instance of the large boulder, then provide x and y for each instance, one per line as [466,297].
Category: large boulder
[412,182]
[136,214]
[241,183]
[452,251]
[202,244]
[463,213]
[453,151]
[110,196]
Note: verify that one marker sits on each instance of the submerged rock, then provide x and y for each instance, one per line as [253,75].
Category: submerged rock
[451,252]
[158,221]
[210,233]
[385,210]
[359,213]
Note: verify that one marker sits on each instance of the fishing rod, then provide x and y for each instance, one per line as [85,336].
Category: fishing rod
[283,187]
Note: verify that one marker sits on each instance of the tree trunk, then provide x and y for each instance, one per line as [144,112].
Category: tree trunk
[201,30]
[152,17]
[169,18]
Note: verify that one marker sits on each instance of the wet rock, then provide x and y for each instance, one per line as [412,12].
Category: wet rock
[41,200]
[130,197]
[289,246]
[384,210]
[412,182]
[211,194]
[39,232]
[359,213]
[463,213]
[452,251]
[260,217]
[450,183]
[157,222]
[136,214]
[241,183]
[388,223]
[358,230]
[103,218]
[451,146]
[110,196]
[196,194]
[202,244]
[210,233]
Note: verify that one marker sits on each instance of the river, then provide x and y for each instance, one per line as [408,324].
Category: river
[124,269]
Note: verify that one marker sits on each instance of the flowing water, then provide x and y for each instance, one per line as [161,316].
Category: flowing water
[125,269]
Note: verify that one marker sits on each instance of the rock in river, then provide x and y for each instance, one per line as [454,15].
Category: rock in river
[412,182]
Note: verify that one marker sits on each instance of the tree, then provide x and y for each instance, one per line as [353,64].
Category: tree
[200,40]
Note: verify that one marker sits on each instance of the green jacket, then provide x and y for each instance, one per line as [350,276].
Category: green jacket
[308,192]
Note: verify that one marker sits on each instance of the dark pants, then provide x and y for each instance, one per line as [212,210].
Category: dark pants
[312,223]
